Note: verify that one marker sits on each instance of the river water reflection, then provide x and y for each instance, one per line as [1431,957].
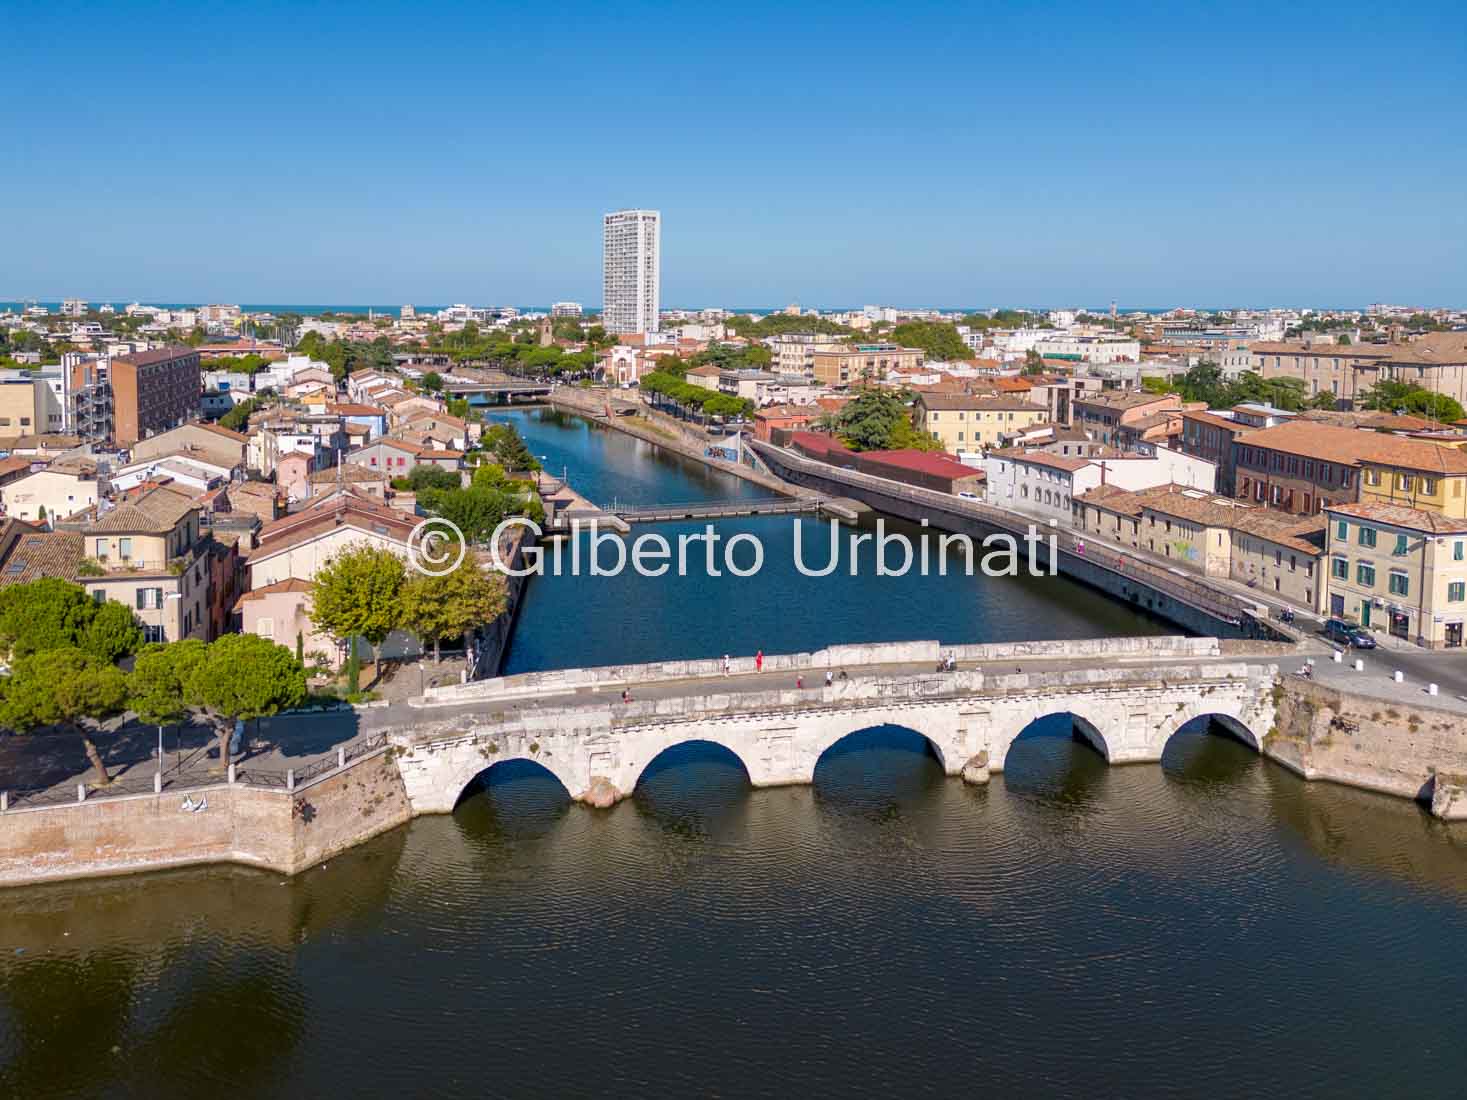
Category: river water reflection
[1211,926]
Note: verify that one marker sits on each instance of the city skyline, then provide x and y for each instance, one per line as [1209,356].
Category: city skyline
[1078,157]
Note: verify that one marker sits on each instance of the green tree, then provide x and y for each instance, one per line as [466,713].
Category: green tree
[69,688]
[156,686]
[433,381]
[241,676]
[878,420]
[112,634]
[434,608]
[1389,395]
[940,341]
[51,613]
[358,594]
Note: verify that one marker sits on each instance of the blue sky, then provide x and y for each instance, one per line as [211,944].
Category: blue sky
[834,154]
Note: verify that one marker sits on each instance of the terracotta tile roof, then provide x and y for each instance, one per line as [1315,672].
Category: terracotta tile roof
[43,554]
[155,511]
[1128,400]
[1352,446]
[1217,421]
[290,584]
[1413,518]
[348,471]
[1067,463]
[346,508]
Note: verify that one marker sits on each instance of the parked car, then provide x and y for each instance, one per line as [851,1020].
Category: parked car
[968,496]
[1348,634]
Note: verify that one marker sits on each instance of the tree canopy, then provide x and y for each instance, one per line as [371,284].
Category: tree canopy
[1411,397]
[64,686]
[439,607]
[51,613]
[356,593]
[878,420]
[940,341]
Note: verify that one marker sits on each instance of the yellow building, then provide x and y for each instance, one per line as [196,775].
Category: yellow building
[1399,569]
[1417,474]
[964,422]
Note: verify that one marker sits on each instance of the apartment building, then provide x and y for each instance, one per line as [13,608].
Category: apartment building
[1402,570]
[630,270]
[1210,436]
[968,422]
[1213,536]
[152,392]
[1435,361]
[28,405]
[851,364]
[1089,349]
[1101,415]
[1304,467]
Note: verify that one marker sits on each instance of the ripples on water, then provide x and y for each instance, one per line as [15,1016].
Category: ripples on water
[1210,926]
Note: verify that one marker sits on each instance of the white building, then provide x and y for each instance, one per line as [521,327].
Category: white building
[630,271]
[566,309]
[1043,484]
[1091,349]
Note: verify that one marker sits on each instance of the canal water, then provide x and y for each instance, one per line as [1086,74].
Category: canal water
[577,621]
[1213,925]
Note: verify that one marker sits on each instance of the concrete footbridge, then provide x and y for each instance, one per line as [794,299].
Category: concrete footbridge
[778,715]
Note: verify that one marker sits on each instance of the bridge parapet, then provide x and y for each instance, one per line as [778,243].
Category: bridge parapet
[859,656]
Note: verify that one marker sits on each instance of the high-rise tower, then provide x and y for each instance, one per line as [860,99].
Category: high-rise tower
[630,270]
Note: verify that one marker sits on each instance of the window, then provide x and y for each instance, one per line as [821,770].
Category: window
[1428,486]
[1365,574]
[1367,536]
[1457,548]
[1400,584]
[1403,546]
[1339,568]
[149,599]
[100,552]
[1457,592]
[1342,531]
[124,549]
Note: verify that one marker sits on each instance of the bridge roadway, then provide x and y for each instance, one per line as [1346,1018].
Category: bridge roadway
[1127,697]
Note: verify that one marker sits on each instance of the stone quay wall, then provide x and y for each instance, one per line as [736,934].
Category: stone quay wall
[285,831]
[1416,752]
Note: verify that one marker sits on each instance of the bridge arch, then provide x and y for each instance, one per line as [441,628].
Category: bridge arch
[1222,721]
[673,738]
[662,755]
[823,746]
[471,783]
[1086,725]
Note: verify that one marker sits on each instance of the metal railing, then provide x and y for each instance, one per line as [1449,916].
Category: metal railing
[179,782]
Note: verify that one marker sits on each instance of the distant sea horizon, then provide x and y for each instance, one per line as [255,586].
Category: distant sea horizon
[394,310]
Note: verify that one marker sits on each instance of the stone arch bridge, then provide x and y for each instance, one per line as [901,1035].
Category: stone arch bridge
[599,747]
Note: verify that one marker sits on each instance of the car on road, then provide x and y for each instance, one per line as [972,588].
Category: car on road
[1348,634]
